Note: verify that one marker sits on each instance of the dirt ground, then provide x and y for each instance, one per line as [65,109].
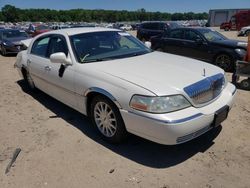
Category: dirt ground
[60,148]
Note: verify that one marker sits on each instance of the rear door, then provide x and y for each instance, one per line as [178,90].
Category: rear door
[172,42]
[38,61]
[61,86]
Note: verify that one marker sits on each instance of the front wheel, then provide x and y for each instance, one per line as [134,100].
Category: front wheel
[247,32]
[225,62]
[107,119]
[3,50]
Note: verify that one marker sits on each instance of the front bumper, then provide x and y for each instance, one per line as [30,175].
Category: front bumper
[14,49]
[177,127]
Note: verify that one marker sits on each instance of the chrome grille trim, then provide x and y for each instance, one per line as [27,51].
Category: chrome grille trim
[193,135]
[206,90]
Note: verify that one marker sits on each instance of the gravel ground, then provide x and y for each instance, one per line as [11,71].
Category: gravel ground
[60,148]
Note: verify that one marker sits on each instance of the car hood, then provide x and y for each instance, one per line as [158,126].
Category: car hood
[16,40]
[160,73]
[231,43]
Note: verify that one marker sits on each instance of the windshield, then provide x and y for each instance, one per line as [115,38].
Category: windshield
[211,35]
[14,34]
[107,45]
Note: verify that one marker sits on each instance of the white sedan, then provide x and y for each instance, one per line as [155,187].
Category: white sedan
[123,86]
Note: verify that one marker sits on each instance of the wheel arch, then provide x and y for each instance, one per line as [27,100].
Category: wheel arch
[24,71]
[94,91]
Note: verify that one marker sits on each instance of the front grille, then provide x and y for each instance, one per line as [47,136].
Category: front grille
[193,135]
[206,90]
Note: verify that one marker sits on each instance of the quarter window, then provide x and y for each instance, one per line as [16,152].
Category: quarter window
[40,47]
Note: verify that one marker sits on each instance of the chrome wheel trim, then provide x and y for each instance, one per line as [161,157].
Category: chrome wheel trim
[105,119]
[224,62]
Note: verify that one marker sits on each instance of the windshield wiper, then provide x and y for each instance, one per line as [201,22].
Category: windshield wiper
[96,60]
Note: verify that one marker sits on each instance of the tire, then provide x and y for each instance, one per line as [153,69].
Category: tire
[143,40]
[247,32]
[226,29]
[28,80]
[3,51]
[225,62]
[245,84]
[159,49]
[107,120]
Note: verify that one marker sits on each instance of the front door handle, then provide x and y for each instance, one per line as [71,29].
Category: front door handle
[47,68]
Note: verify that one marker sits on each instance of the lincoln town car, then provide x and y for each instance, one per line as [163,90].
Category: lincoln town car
[125,87]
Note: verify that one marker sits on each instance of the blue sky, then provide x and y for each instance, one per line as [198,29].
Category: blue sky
[150,5]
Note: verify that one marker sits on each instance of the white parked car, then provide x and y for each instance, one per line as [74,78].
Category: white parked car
[123,86]
[245,31]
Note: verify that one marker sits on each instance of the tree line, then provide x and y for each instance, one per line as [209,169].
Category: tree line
[10,13]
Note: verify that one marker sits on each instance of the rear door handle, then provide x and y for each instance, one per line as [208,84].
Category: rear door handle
[47,68]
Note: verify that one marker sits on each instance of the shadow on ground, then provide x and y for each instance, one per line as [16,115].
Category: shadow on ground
[136,149]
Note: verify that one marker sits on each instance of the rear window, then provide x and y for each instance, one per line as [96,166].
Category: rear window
[152,26]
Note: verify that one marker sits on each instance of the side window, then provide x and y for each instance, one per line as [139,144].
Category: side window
[57,44]
[40,47]
[178,34]
[191,35]
[161,26]
[146,25]
[155,26]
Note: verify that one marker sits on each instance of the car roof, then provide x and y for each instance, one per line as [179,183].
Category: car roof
[75,31]
[193,28]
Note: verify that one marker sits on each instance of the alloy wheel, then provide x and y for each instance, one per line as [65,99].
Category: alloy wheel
[224,62]
[105,119]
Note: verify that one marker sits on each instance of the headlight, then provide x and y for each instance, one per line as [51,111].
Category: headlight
[241,52]
[163,104]
[8,44]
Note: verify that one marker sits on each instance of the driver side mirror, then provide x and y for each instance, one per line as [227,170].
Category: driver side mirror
[61,58]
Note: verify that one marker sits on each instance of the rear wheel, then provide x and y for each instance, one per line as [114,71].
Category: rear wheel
[28,79]
[107,119]
[245,84]
[225,62]
[247,33]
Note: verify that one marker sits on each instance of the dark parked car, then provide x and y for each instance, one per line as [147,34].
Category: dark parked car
[149,29]
[202,43]
[10,40]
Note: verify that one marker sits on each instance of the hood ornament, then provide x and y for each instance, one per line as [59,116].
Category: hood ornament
[204,72]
